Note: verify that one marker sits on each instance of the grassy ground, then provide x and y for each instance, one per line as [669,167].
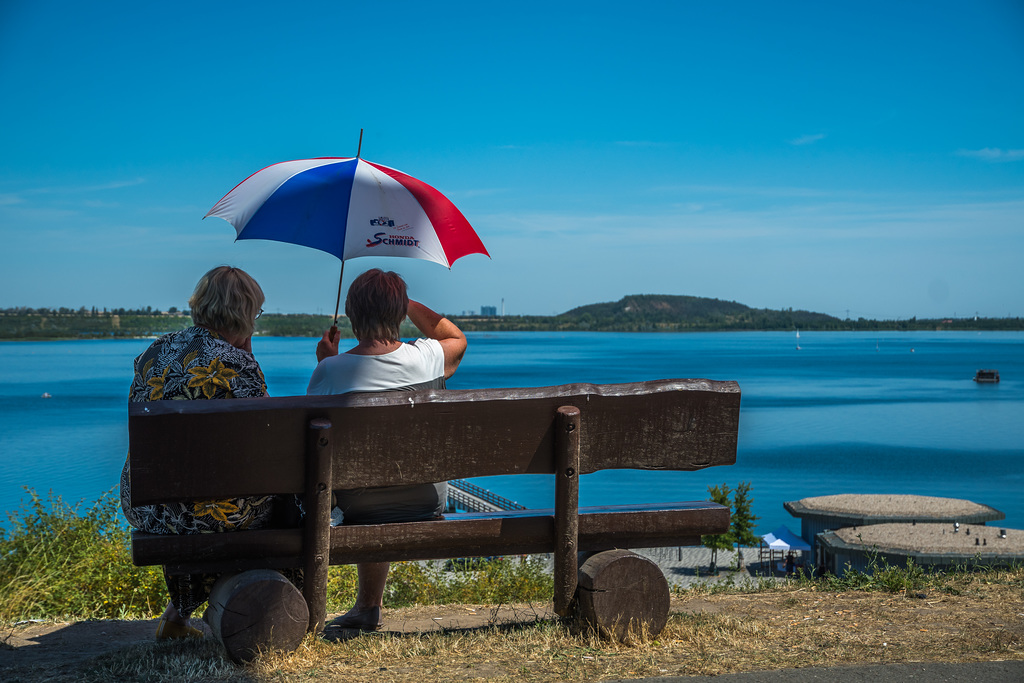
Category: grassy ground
[963,618]
[970,618]
[55,561]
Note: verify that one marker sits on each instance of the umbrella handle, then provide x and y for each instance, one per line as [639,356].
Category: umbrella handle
[341,278]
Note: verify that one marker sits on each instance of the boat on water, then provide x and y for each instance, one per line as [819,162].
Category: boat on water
[986,376]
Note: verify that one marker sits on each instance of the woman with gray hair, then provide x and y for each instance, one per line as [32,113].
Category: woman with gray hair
[212,359]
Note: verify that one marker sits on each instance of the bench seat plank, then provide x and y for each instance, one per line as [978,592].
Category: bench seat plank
[198,450]
[459,535]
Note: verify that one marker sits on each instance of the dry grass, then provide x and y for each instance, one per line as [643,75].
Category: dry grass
[968,618]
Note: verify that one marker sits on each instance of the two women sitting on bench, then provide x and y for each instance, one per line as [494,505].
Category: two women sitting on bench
[213,360]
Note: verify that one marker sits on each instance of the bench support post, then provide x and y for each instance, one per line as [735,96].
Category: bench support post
[317,533]
[567,498]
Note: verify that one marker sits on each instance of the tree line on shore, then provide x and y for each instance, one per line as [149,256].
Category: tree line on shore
[638,313]
[89,312]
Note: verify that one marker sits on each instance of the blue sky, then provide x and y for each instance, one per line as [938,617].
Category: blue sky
[862,159]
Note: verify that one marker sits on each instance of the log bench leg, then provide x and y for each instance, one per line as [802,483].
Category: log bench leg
[621,593]
[257,611]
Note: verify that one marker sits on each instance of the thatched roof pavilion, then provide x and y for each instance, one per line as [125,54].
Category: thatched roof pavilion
[825,513]
[933,544]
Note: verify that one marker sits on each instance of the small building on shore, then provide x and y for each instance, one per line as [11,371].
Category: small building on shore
[828,513]
[933,545]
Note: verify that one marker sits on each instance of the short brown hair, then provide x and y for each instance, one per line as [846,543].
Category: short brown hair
[376,305]
[227,299]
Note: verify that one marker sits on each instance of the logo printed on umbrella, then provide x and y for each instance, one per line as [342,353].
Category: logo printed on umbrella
[392,240]
[383,220]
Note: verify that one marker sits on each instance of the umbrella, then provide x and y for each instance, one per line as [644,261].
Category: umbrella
[349,207]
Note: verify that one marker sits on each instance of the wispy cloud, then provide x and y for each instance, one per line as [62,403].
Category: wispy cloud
[641,143]
[61,201]
[908,221]
[992,154]
[76,189]
[114,185]
[746,190]
[807,139]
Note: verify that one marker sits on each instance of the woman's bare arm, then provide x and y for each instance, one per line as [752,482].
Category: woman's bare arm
[435,326]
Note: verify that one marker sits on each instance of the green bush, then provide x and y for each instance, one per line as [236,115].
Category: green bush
[57,562]
[501,580]
[879,575]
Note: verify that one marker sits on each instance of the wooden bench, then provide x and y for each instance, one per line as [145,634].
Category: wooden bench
[310,445]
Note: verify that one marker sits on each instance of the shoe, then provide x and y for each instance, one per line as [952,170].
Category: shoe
[364,619]
[171,630]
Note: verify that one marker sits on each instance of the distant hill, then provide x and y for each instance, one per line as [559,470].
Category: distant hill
[660,305]
[664,311]
[673,313]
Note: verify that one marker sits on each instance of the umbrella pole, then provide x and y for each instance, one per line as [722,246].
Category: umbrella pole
[337,304]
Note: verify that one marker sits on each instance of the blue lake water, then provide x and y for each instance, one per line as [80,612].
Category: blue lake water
[881,412]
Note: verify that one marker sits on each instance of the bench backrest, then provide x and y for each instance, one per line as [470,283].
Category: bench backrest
[195,450]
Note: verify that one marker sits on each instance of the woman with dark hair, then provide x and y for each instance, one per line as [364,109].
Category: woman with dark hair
[210,360]
[376,305]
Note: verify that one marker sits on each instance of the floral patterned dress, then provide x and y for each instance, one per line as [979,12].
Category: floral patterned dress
[192,364]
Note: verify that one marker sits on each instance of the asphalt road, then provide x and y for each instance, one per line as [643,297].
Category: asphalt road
[924,672]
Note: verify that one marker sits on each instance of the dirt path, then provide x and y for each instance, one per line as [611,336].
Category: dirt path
[30,649]
[803,630]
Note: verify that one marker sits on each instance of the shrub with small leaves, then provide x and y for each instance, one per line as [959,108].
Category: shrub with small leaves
[58,561]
